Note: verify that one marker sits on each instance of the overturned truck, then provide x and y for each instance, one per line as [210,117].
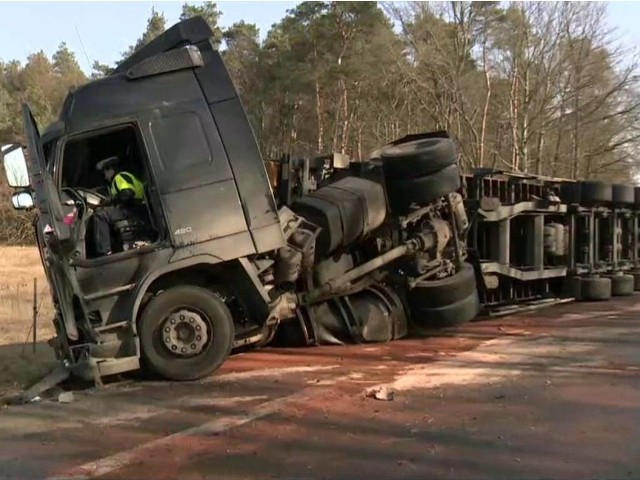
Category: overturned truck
[368,252]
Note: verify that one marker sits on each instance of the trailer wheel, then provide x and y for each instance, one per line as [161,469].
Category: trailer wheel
[439,293]
[595,192]
[457,313]
[417,158]
[637,196]
[186,333]
[573,286]
[423,190]
[570,192]
[595,288]
[623,194]
[621,285]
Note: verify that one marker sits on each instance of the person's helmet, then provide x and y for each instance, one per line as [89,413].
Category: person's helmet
[110,162]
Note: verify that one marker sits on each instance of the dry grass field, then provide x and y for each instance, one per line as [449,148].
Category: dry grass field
[19,366]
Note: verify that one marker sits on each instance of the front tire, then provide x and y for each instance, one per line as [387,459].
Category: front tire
[186,333]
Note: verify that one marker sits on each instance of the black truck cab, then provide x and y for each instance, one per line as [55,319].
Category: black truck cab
[172,115]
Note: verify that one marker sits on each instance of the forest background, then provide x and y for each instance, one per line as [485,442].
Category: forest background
[538,87]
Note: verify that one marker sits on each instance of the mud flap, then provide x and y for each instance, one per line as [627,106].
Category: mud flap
[376,314]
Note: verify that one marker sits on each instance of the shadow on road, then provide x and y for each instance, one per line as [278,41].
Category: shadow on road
[20,366]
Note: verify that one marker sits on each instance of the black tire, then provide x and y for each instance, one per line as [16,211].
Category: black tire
[621,285]
[595,288]
[439,293]
[219,326]
[423,190]
[595,192]
[637,196]
[417,158]
[573,287]
[636,281]
[570,192]
[623,194]
[289,335]
[457,313]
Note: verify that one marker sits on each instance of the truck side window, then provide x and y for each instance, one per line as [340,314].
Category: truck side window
[83,153]
[181,141]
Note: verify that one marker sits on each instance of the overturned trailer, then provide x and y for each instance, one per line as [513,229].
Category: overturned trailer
[533,240]
[343,252]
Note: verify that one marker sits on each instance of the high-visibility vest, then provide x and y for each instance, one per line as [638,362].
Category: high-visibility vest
[124,180]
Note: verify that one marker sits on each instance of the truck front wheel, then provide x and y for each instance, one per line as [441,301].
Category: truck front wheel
[186,333]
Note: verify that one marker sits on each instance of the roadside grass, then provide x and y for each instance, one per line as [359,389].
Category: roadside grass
[19,365]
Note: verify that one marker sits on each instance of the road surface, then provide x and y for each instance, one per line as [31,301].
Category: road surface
[552,394]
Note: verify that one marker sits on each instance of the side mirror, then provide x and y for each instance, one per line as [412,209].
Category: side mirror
[15,166]
[22,201]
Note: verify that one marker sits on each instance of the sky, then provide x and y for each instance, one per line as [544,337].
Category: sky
[102,30]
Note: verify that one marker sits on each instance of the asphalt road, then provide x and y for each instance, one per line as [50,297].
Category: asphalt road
[554,394]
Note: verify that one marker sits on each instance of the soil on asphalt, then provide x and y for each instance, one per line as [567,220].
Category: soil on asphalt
[553,394]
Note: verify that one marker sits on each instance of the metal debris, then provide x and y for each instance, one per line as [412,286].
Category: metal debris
[65,397]
[381,393]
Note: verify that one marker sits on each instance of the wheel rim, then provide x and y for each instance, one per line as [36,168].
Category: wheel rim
[185,332]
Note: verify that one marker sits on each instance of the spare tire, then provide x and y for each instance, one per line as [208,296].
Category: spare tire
[438,293]
[417,158]
[595,192]
[423,190]
[623,194]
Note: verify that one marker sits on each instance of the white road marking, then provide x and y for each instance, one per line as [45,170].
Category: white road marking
[267,372]
[217,402]
[144,413]
[123,459]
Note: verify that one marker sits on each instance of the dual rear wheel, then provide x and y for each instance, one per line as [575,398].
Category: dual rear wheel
[446,302]
[419,172]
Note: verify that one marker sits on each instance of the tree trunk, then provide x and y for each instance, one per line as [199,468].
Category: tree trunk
[319,117]
[346,117]
[485,112]
[336,126]
[538,159]
[524,150]
[514,118]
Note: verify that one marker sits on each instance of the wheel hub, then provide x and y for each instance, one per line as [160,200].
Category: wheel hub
[184,333]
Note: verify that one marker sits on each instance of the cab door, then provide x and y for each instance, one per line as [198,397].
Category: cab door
[55,238]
